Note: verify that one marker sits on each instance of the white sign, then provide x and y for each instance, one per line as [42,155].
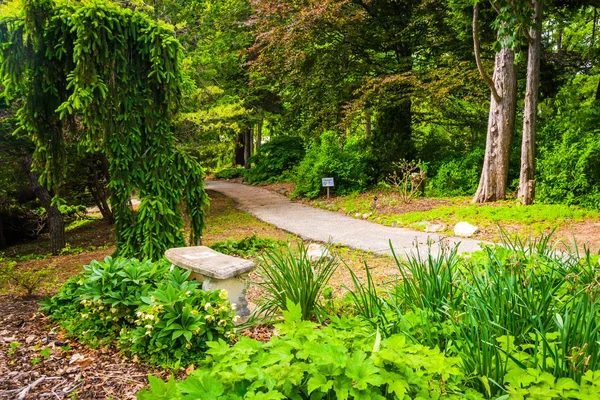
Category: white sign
[199,256]
[328,182]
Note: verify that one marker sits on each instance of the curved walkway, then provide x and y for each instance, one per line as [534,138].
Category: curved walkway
[328,226]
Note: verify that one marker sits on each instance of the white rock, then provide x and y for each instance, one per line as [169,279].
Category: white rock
[432,228]
[367,215]
[316,252]
[465,229]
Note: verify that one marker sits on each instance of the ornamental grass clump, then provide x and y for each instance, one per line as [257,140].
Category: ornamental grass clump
[147,309]
[294,276]
[522,308]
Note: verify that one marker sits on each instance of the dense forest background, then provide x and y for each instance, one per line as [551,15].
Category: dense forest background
[352,89]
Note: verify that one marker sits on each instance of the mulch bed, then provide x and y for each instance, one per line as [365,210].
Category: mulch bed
[71,369]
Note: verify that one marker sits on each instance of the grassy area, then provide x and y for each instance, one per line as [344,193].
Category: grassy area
[94,239]
[386,208]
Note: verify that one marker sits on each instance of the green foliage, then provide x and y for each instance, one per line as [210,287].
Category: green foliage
[288,276]
[230,173]
[115,76]
[340,361]
[280,154]
[28,279]
[245,247]
[348,164]
[507,308]
[457,177]
[149,309]
[569,154]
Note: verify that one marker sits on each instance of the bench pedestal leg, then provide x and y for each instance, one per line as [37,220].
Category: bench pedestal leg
[236,290]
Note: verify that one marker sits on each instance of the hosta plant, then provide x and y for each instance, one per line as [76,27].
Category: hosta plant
[148,309]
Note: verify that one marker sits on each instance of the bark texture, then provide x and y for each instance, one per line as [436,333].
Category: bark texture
[526,178]
[239,150]
[259,127]
[56,223]
[501,124]
[2,235]
[98,186]
[247,147]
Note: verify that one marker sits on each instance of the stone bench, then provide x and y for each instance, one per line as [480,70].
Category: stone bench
[216,271]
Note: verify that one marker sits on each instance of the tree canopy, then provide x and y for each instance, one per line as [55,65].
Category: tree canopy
[109,78]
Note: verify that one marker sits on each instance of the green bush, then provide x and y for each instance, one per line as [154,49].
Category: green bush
[230,173]
[247,246]
[348,164]
[148,309]
[280,154]
[456,177]
[568,169]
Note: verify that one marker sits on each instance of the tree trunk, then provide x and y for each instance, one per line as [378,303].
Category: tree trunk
[526,179]
[56,223]
[247,147]
[501,124]
[2,235]
[367,123]
[259,127]
[98,187]
[239,149]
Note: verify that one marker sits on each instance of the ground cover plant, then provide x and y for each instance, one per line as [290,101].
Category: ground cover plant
[508,322]
[343,360]
[230,173]
[150,310]
[250,245]
[502,310]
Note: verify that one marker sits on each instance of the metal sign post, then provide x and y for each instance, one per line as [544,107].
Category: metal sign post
[327,183]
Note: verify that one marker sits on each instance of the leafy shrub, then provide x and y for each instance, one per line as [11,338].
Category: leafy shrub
[456,177]
[348,164]
[230,173]
[568,170]
[249,245]
[280,154]
[340,361]
[28,279]
[149,309]
[407,179]
[288,276]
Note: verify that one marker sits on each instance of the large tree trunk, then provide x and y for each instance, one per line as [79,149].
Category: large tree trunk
[239,149]
[56,223]
[501,123]
[368,123]
[526,179]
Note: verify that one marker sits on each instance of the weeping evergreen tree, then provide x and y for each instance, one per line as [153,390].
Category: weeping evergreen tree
[109,78]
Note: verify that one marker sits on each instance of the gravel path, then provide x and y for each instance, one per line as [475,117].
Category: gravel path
[328,226]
